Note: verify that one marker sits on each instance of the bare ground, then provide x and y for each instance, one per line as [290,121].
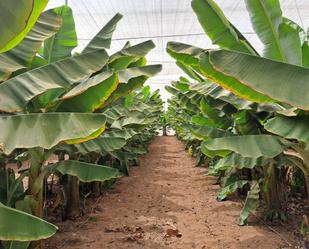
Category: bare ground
[167,202]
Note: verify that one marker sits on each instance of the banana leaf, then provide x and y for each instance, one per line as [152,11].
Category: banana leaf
[90,94]
[253,146]
[17,18]
[271,78]
[58,75]
[24,53]
[289,127]
[218,28]
[104,37]
[15,224]
[47,129]
[86,172]
[61,44]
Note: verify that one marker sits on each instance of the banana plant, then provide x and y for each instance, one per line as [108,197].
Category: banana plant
[41,93]
[253,79]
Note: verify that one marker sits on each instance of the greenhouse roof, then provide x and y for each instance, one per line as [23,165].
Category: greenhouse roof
[163,21]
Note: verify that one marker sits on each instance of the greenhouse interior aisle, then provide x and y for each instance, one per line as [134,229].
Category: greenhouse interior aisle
[166,202]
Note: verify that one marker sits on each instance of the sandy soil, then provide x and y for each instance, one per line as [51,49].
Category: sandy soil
[167,202]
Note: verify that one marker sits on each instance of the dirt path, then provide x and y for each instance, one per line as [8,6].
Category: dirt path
[165,203]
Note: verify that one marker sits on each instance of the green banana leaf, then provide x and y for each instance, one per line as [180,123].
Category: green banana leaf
[15,225]
[115,112]
[86,172]
[126,133]
[218,92]
[266,16]
[196,58]
[289,127]
[281,36]
[104,37]
[202,120]
[305,54]
[211,153]
[253,146]
[193,74]
[134,119]
[128,55]
[271,78]
[237,161]
[47,129]
[232,84]
[291,44]
[17,18]
[90,94]
[182,86]
[139,63]
[205,132]
[136,150]
[58,75]
[231,188]
[301,32]
[131,79]
[15,191]
[24,53]
[217,27]
[184,53]
[251,203]
[101,144]
[61,44]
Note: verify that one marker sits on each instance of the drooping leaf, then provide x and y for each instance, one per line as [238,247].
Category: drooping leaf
[17,92]
[187,54]
[229,189]
[212,153]
[131,79]
[46,129]
[101,144]
[86,172]
[136,150]
[237,161]
[90,94]
[213,73]
[15,224]
[254,146]
[251,203]
[265,76]
[201,120]
[126,133]
[205,132]
[189,71]
[24,53]
[134,119]
[17,18]
[220,93]
[84,139]
[289,127]
[128,55]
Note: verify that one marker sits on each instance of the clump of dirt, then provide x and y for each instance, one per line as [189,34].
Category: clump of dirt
[167,202]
